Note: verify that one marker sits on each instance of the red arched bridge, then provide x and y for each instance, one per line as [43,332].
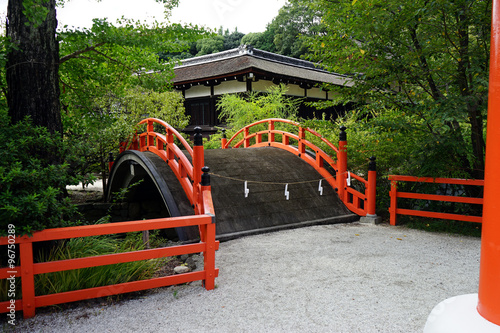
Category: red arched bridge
[284,181]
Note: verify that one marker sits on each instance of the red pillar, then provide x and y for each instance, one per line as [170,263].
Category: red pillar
[27,279]
[198,163]
[342,163]
[489,271]
[394,202]
[371,194]
[223,141]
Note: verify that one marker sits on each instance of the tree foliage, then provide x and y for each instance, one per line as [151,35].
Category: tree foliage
[110,77]
[424,60]
[101,71]
[239,110]
[293,21]
[30,186]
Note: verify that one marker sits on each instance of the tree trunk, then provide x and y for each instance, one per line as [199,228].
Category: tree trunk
[33,66]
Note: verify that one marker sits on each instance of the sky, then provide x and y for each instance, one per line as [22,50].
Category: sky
[247,16]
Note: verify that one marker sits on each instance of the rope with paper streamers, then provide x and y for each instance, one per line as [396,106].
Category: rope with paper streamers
[246,190]
[267,183]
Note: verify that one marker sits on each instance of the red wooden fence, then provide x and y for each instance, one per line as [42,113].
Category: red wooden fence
[197,190]
[395,194]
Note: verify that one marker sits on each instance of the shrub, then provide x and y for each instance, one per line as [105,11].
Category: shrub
[32,178]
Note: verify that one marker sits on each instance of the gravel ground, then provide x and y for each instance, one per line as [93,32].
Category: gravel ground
[336,278]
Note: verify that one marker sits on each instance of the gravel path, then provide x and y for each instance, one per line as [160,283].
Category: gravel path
[336,278]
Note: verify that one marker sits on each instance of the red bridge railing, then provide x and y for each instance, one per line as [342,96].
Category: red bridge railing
[164,145]
[200,194]
[395,194]
[361,203]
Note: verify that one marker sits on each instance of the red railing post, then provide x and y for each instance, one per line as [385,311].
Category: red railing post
[223,141]
[270,137]
[302,137]
[150,129]
[246,133]
[489,270]
[170,141]
[27,279]
[208,234]
[394,201]
[342,163]
[198,163]
[371,191]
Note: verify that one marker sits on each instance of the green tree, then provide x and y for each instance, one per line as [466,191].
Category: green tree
[294,20]
[260,40]
[88,65]
[426,59]
[232,40]
[107,68]
[223,40]
[210,45]
[32,68]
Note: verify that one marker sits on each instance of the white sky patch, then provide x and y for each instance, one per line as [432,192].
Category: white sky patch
[247,16]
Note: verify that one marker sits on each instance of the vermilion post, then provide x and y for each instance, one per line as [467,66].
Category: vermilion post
[371,194]
[246,132]
[170,142]
[394,202]
[150,129]
[198,163]
[342,162]
[208,233]
[223,141]
[209,256]
[489,271]
[302,136]
[27,279]
[270,138]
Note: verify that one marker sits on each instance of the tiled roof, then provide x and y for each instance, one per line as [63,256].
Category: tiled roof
[246,59]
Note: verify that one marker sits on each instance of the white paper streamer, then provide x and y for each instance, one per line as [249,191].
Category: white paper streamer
[247,190]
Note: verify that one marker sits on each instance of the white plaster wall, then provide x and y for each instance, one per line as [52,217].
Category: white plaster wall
[295,90]
[332,95]
[197,91]
[316,93]
[262,85]
[230,87]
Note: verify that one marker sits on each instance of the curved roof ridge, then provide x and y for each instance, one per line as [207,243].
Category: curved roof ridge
[257,53]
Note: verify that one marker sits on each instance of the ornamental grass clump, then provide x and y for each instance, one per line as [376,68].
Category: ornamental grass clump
[84,278]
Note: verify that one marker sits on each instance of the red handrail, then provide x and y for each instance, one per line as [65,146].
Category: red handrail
[395,194]
[353,199]
[188,174]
